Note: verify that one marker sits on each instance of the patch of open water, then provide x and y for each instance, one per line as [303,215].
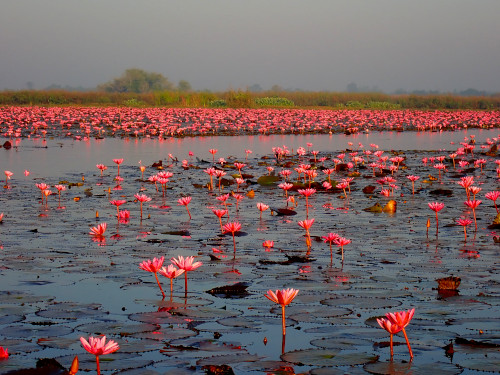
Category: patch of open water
[58,284]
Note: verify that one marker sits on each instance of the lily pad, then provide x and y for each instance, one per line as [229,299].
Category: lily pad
[267,180]
[327,357]
[412,368]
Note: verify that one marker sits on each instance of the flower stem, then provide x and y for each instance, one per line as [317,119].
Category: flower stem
[408,343]
[98,366]
[283,319]
[392,350]
[158,281]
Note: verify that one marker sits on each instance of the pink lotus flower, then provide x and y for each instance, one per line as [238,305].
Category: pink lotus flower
[118,203]
[436,207]
[466,182]
[341,242]
[413,178]
[464,222]
[184,201]
[8,175]
[142,198]
[307,193]
[171,272]
[153,266]
[186,264]
[307,224]
[232,227]
[282,297]
[473,204]
[331,237]
[268,245]
[99,230]
[493,195]
[124,216]
[213,151]
[101,167]
[391,328]
[285,186]
[262,207]
[402,319]
[220,214]
[98,346]
[4,353]
[118,162]
[239,166]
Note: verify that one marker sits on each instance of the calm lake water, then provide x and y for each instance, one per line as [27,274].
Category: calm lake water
[59,284]
[42,156]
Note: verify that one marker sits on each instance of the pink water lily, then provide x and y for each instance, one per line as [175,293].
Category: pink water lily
[186,264]
[402,319]
[118,162]
[307,224]
[171,272]
[98,346]
[330,238]
[341,242]
[232,227]
[493,195]
[391,328]
[464,222]
[282,297]
[184,201]
[153,266]
[142,198]
[99,230]
[262,207]
[436,207]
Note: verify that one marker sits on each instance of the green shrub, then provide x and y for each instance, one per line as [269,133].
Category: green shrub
[217,103]
[239,99]
[353,104]
[382,105]
[274,102]
[133,103]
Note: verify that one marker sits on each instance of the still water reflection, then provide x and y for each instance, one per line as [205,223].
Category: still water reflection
[61,155]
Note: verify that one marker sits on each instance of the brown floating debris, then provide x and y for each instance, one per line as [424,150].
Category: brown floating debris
[448,283]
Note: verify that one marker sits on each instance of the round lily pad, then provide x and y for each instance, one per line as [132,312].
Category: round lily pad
[412,368]
[363,303]
[327,357]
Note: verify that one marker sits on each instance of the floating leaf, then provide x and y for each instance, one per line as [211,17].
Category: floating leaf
[237,290]
[326,357]
[267,180]
[229,358]
[412,368]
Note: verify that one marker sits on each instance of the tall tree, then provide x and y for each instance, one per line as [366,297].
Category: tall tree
[138,81]
[184,86]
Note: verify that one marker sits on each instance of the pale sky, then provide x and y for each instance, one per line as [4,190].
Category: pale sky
[218,45]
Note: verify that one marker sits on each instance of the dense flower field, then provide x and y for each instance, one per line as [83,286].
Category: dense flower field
[173,122]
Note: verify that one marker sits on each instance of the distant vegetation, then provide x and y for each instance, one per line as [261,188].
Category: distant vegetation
[139,88]
[247,99]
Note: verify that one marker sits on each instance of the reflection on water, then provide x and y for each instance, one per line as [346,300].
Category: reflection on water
[61,155]
[55,277]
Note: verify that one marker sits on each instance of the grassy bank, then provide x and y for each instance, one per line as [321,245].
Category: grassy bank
[246,99]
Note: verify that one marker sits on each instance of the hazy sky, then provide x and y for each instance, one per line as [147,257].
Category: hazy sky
[440,45]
